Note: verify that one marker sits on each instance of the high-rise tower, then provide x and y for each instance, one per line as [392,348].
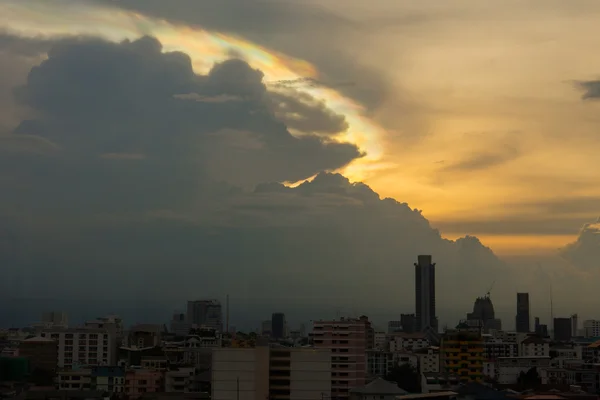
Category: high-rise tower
[522,318]
[425,294]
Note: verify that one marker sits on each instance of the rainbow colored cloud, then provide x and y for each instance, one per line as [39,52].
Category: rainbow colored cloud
[57,19]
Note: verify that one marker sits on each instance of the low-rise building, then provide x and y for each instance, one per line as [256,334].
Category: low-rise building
[432,382]
[274,373]
[379,363]
[42,353]
[179,379]
[78,379]
[535,346]
[408,342]
[379,389]
[494,348]
[509,368]
[108,379]
[139,381]
[429,359]
[82,346]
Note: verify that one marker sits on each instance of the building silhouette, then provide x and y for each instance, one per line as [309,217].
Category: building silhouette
[483,315]
[522,318]
[278,325]
[562,329]
[425,295]
[206,313]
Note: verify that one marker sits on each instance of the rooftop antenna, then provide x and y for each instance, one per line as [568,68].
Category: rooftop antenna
[551,308]
[227,314]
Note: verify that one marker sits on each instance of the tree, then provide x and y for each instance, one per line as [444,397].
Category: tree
[406,376]
[530,379]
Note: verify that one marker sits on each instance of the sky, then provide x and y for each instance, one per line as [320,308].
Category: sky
[145,139]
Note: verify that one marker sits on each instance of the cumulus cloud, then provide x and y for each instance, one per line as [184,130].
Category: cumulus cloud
[131,182]
[96,96]
[304,113]
[584,253]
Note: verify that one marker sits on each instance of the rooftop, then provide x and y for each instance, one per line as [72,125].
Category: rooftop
[427,395]
[379,387]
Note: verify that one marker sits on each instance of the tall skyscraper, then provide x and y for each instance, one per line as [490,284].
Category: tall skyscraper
[205,313]
[522,318]
[278,325]
[425,294]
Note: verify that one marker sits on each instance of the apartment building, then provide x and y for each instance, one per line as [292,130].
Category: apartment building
[347,339]
[272,373]
[179,379]
[205,313]
[379,363]
[108,379]
[493,348]
[591,328]
[429,359]
[42,353]
[139,381]
[461,354]
[535,346]
[509,368]
[80,346]
[408,342]
[78,379]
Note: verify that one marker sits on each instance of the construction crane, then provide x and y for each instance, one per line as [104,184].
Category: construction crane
[490,289]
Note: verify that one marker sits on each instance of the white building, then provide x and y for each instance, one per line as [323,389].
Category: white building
[78,379]
[509,368]
[489,369]
[438,382]
[408,342]
[273,373]
[534,346]
[493,348]
[179,379]
[565,354]
[80,346]
[379,363]
[591,328]
[429,359]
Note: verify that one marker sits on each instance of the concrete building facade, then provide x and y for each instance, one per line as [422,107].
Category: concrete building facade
[591,328]
[271,373]
[205,313]
[347,339]
[425,294]
[80,346]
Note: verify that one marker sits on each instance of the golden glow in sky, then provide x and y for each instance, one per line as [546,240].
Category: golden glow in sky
[33,18]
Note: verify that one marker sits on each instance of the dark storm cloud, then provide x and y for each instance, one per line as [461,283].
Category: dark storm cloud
[326,238]
[98,97]
[591,89]
[304,113]
[113,181]
[584,253]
